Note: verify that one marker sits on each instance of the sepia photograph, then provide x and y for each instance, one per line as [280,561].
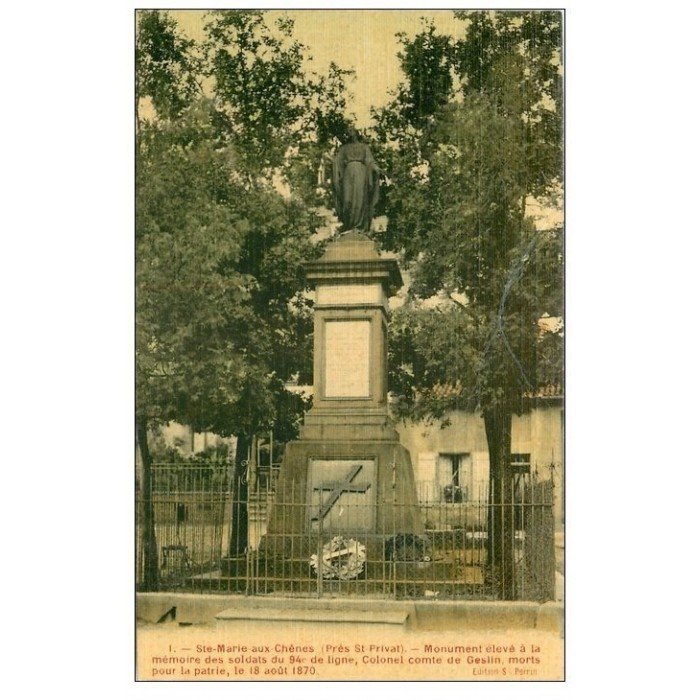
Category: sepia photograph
[304,382]
[349,345]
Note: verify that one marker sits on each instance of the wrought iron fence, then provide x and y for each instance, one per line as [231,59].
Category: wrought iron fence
[189,513]
[467,548]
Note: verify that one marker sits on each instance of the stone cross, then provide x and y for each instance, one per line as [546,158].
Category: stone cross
[338,489]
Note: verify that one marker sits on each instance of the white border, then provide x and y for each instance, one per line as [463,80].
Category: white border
[632,155]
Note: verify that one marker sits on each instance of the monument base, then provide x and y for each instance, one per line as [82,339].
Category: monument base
[352,506]
[346,503]
[319,477]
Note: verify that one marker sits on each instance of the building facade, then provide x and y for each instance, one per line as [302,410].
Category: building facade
[451,463]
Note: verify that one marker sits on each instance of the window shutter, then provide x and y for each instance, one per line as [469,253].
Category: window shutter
[425,476]
[444,471]
[465,474]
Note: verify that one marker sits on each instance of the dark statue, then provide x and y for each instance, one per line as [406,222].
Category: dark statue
[355,183]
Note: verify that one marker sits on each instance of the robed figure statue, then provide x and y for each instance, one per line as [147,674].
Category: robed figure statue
[355,183]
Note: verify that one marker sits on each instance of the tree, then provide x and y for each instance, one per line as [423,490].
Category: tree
[465,158]
[166,65]
[221,321]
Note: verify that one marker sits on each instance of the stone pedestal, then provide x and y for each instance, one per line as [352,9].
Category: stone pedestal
[347,476]
[352,285]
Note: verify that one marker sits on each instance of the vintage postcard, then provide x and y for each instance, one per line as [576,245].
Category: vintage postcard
[349,345]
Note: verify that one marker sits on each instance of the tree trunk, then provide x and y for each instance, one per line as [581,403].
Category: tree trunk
[501,521]
[149,544]
[239,519]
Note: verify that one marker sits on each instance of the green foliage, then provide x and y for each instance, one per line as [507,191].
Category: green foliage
[166,64]
[215,329]
[268,102]
[463,170]
[460,354]
[426,62]
[165,454]
[473,133]
[246,58]
[431,359]
[515,58]
[221,320]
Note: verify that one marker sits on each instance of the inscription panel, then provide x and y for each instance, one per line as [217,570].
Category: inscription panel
[347,359]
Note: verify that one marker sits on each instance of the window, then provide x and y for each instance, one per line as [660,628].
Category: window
[454,476]
[520,463]
[455,459]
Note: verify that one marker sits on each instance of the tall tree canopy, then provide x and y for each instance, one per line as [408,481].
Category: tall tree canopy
[472,138]
[226,128]
[219,248]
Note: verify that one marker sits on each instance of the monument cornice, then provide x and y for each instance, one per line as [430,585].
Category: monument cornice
[328,271]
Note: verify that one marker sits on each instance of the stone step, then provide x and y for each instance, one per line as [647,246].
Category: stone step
[303,614]
[357,589]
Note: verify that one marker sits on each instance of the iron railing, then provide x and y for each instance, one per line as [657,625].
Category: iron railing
[198,515]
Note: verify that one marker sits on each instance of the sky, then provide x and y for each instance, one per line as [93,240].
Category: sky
[364,41]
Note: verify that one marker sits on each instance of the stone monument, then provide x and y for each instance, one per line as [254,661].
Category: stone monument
[346,488]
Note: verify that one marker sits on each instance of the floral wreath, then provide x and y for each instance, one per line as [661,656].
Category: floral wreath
[341,559]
